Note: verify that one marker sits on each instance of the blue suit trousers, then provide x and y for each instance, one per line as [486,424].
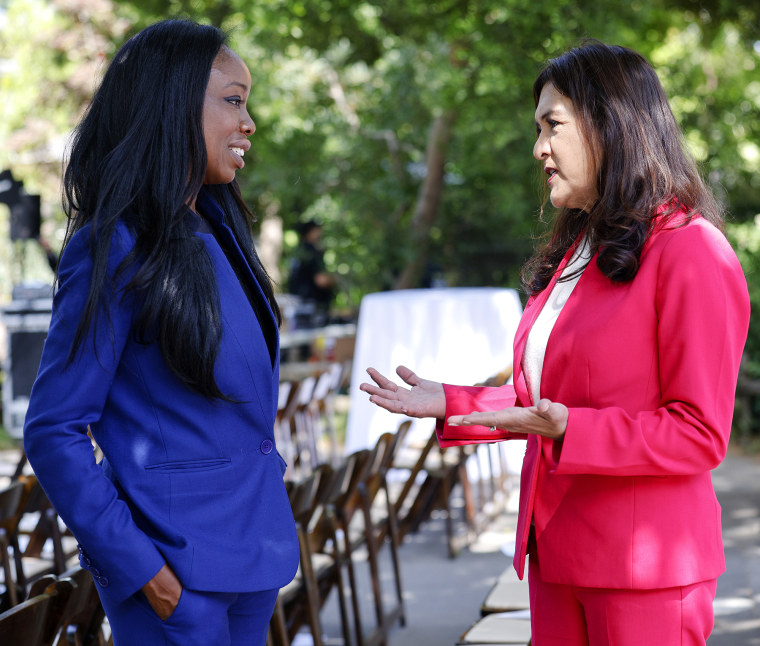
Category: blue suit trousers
[200,619]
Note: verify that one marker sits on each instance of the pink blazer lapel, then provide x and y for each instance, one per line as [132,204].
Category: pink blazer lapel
[532,309]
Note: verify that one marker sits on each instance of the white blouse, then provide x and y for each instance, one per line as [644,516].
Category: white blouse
[538,337]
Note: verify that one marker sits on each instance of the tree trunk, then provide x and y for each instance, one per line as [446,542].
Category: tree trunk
[428,199]
[269,246]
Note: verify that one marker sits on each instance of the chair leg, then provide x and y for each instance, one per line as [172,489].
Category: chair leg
[469,502]
[372,550]
[20,576]
[312,592]
[342,606]
[10,582]
[51,518]
[342,528]
[395,544]
[278,630]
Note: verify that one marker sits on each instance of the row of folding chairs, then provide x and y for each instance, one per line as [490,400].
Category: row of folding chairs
[370,498]
[305,430]
[432,479]
[344,516]
[59,611]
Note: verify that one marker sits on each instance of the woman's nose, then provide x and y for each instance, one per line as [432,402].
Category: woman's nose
[541,148]
[247,126]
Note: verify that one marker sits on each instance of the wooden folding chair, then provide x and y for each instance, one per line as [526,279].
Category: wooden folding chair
[491,466]
[321,563]
[302,590]
[432,475]
[10,501]
[323,408]
[31,562]
[282,423]
[362,520]
[36,621]
[83,616]
[330,527]
[378,522]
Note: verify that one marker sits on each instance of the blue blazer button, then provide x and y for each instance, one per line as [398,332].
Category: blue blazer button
[102,580]
[266,447]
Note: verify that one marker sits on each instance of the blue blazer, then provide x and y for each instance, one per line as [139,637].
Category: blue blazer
[195,483]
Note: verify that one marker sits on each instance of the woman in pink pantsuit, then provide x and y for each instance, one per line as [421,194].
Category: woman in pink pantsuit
[625,368]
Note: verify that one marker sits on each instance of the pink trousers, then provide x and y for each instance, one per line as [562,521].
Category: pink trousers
[566,615]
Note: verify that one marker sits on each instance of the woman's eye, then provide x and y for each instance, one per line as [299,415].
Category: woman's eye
[552,123]
[235,100]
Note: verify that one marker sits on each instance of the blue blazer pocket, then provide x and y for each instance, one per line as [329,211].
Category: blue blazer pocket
[189,466]
[198,490]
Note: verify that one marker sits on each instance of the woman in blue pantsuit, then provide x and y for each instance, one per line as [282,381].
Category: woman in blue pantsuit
[164,343]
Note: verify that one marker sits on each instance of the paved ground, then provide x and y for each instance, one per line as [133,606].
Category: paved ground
[443,596]
[737,616]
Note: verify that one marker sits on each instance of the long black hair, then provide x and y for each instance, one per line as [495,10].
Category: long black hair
[638,150]
[139,156]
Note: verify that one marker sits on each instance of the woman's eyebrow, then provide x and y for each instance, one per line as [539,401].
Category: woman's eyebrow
[549,113]
[239,84]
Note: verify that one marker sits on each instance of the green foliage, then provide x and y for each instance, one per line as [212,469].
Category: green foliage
[345,93]
[50,57]
[745,238]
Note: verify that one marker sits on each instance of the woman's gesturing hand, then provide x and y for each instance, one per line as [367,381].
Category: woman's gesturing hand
[424,399]
[547,418]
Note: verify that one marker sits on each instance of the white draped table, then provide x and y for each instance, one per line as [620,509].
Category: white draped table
[453,335]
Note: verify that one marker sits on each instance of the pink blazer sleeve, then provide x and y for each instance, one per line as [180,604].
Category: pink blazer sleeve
[461,400]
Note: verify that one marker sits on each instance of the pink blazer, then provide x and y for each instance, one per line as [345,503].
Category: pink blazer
[648,370]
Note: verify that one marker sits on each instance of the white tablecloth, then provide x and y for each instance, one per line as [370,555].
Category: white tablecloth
[452,335]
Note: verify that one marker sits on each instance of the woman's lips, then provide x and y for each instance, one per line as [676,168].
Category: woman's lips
[237,155]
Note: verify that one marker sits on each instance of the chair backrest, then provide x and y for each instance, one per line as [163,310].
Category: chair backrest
[398,441]
[10,500]
[321,388]
[306,392]
[332,496]
[40,585]
[84,614]
[419,457]
[36,621]
[303,495]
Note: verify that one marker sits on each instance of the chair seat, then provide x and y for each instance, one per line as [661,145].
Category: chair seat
[498,628]
[508,593]
[319,562]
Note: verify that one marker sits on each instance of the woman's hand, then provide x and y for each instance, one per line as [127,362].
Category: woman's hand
[163,592]
[547,418]
[424,398]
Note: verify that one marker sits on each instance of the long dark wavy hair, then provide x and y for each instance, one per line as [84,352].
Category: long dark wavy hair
[639,152]
[139,156]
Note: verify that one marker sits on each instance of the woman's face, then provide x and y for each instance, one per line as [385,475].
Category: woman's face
[226,122]
[564,152]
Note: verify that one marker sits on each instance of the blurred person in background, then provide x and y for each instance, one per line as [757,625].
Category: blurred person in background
[308,278]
